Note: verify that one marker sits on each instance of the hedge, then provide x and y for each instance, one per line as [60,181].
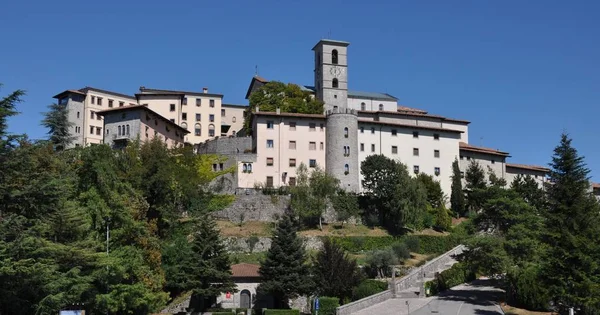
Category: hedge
[222,313]
[367,288]
[457,274]
[327,305]
[427,244]
[282,312]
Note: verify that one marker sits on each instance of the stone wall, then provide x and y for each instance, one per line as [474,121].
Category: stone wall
[225,145]
[361,304]
[242,244]
[255,207]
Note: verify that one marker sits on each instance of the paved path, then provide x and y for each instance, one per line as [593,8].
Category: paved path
[468,299]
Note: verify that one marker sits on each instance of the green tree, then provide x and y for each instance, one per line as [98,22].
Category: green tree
[457,197]
[312,193]
[289,98]
[379,263]
[8,108]
[435,194]
[335,274]
[476,184]
[209,273]
[570,267]
[494,179]
[58,124]
[284,273]
[345,205]
[530,191]
[443,220]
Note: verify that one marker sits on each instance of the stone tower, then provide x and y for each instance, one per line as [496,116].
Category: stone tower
[331,87]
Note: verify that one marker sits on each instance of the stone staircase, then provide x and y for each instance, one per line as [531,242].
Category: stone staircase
[418,289]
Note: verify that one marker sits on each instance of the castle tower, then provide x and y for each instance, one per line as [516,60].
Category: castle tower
[331,87]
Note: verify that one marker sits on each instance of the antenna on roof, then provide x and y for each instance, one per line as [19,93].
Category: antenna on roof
[256,70]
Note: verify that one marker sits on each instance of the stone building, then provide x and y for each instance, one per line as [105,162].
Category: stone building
[246,278]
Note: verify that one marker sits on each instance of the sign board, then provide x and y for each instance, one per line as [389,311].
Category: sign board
[317,304]
[228,295]
[71,312]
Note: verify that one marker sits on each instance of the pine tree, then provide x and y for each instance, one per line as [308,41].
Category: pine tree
[457,198]
[334,272]
[58,124]
[476,184]
[210,269]
[530,191]
[284,273]
[572,230]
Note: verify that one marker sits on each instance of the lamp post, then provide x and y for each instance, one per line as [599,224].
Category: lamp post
[408,307]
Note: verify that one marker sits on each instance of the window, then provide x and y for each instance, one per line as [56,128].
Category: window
[372,130]
[107,131]
[269,181]
[233,119]
[172,107]
[269,161]
[321,126]
[394,132]
[334,57]
[345,132]
[198,117]
[394,149]
[436,153]
[198,102]
[92,130]
[245,167]
[184,125]
[312,127]
[362,147]
[110,103]
[198,130]
[270,143]
[380,106]
[183,116]
[363,106]
[92,114]
[321,146]
[462,157]
[292,125]
[468,158]
[98,117]
[93,99]
[121,104]
[436,171]
[63,101]
[292,162]
[346,169]
[100,101]
[128,130]
[78,115]
[334,83]
[462,174]
[436,136]
[211,103]
[211,130]
[372,148]
[362,129]
[269,124]
[211,118]
[220,166]
[184,101]
[119,130]
[493,162]
[312,163]
[172,120]
[292,181]
[416,151]
[416,169]
[335,109]
[312,146]
[415,134]
[292,145]
[222,113]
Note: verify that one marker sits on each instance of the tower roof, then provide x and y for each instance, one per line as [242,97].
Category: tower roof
[331,42]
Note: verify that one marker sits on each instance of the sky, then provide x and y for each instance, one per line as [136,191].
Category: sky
[522,72]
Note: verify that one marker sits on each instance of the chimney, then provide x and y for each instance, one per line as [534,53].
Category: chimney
[257,109]
[278,111]
[205,90]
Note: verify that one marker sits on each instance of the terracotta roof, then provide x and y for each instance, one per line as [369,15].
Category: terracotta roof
[68,92]
[89,88]
[472,148]
[529,167]
[402,108]
[244,270]
[408,126]
[318,116]
[261,79]
[144,107]
[416,114]
[233,105]
[596,185]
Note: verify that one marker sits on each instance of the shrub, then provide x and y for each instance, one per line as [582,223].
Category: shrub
[355,244]
[223,313]
[282,312]
[401,251]
[430,244]
[368,288]
[427,221]
[526,290]
[328,305]
[457,274]
[379,263]
[443,221]
[412,243]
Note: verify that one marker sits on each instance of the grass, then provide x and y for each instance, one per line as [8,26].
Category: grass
[511,310]
[249,258]
[346,230]
[247,229]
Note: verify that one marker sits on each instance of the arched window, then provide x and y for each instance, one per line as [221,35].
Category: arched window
[128,130]
[345,132]
[184,125]
[250,168]
[334,57]
[380,106]
[345,150]
[334,83]
[346,168]
[233,119]
[245,167]
[233,132]
[363,106]
[119,127]
[211,130]
[198,130]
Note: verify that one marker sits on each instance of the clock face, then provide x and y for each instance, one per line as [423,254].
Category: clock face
[335,71]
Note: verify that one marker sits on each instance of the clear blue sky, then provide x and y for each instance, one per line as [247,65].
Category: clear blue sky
[521,71]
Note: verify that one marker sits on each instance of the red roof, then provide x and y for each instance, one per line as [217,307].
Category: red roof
[318,116]
[402,108]
[596,185]
[529,167]
[472,148]
[245,270]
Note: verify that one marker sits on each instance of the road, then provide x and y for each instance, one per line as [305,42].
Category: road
[468,299]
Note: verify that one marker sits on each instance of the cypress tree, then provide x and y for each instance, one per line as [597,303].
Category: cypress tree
[457,197]
[334,272]
[572,229]
[57,121]
[284,273]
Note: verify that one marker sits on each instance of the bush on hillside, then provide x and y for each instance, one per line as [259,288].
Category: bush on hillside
[281,312]
[379,263]
[412,243]
[368,288]
[356,244]
[401,251]
[327,305]
[457,274]
[526,290]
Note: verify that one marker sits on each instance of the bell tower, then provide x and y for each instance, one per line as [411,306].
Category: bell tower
[331,73]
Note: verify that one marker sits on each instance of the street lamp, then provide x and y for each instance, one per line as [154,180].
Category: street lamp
[408,307]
